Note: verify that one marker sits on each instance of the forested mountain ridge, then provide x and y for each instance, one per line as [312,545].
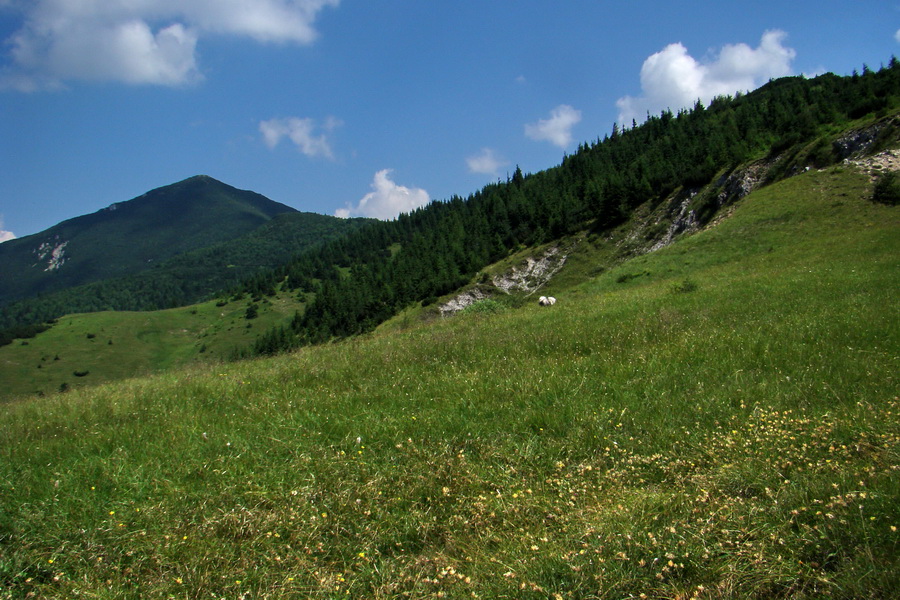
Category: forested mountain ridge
[691,162]
[190,277]
[716,418]
[354,283]
[359,281]
[128,237]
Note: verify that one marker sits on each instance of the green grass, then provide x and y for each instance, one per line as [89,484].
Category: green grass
[111,346]
[733,438]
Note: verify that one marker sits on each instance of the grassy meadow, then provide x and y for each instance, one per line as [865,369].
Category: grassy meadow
[717,419]
[86,349]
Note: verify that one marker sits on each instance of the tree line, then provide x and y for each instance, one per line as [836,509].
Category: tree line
[355,281]
[187,278]
[352,284]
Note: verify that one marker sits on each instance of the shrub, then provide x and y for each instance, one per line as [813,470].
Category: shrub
[887,189]
[484,307]
[682,287]
[656,231]
[626,277]
[822,154]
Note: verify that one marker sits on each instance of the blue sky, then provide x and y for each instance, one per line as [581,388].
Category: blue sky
[369,108]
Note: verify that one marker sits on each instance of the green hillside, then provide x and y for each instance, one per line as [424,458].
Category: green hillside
[129,237]
[333,278]
[715,419]
[695,163]
[87,349]
[192,276]
[692,165]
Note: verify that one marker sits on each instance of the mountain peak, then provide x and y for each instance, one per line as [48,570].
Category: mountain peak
[129,236]
[202,179]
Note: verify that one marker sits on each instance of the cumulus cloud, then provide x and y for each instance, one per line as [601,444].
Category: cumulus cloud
[386,200]
[673,79]
[486,162]
[129,51]
[897,35]
[5,236]
[301,132]
[558,128]
[140,41]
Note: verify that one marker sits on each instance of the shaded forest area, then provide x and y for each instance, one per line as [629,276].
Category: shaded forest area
[187,278]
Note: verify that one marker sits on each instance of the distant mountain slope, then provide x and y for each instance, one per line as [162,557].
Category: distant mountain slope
[190,277]
[128,237]
[212,269]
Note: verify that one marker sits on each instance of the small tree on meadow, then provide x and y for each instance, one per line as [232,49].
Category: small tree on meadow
[887,189]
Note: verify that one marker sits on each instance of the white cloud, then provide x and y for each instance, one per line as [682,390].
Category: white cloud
[673,79]
[558,128]
[897,35]
[386,200]
[5,236]
[140,41]
[301,132]
[486,162]
[128,51]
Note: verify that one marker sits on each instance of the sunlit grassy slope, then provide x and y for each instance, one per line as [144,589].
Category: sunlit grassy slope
[86,349]
[718,419]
